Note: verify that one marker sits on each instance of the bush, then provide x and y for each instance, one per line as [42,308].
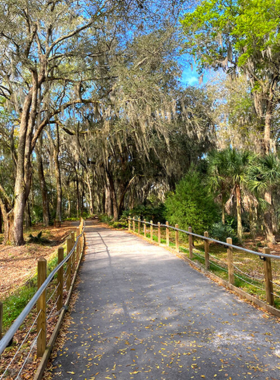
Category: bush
[105,218]
[120,224]
[157,214]
[191,204]
[39,239]
[220,231]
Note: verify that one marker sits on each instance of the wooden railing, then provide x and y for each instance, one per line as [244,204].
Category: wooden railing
[232,270]
[46,309]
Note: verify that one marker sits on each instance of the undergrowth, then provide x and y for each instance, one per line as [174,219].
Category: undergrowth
[15,303]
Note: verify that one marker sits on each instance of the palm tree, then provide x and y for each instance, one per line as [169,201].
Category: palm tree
[263,179]
[218,177]
[228,171]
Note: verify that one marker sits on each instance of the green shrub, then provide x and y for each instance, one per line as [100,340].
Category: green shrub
[148,212]
[191,204]
[120,224]
[105,218]
[39,239]
[220,231]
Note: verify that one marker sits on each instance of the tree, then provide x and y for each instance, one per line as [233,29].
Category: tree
[229,168]
[240,37]
[263,179]
[218,176]
[191,204]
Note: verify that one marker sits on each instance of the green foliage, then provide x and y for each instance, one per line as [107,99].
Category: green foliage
[264,174]
[14,304]
[191,204]
[105,218]
[220,231]
[39,239]
[120,224]
[150,212]
[237,29]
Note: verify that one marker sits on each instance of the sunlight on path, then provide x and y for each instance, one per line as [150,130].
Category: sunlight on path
[142,313]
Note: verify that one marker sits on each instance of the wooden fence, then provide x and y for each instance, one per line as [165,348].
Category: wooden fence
[163,233]
[55,306]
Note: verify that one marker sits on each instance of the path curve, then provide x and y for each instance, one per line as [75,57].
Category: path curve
[143,313]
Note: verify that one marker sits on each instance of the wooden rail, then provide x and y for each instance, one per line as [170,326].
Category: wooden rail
[265,256]
[72,262]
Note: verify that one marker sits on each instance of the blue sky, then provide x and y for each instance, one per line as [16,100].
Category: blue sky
[190,77]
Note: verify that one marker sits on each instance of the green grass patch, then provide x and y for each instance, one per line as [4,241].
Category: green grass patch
[15,303]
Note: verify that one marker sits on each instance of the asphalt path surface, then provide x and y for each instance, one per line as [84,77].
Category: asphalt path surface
[143,313]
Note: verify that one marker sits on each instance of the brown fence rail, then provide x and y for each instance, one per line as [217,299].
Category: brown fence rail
[40,310]
[232,270]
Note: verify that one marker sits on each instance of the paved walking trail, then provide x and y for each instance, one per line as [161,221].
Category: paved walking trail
[142,313]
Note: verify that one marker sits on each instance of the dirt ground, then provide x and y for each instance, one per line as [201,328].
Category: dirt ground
[18,264]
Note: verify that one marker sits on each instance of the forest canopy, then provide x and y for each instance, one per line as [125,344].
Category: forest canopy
[95,118]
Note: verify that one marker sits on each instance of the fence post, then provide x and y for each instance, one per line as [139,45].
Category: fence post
[230,262]
[159,238]
[133,222]
[268,278]
[145,228]
[139,219]
[68,272]
[177,238]
[1,320]
[167,234]
[129,221]
[206,251]
[59,294]
[151,230]
[78,244]
[41,308]
[190,244]
[73,255]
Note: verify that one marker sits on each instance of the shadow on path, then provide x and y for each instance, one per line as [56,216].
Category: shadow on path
[142,313]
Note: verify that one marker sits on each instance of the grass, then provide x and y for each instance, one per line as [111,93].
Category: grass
[15,303]
[249,269]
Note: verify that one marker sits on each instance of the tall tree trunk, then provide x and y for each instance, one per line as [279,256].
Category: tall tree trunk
[5,222]
[58,187]
[267,125]
[90,191]
[1,222]
[268,219]
[69,206]
[43,186]
[27,215]
[108,202]
[24,173]
[238,212]
[113,197]
[78,197]
[124,190]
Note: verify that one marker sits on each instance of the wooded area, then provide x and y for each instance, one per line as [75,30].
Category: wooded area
[95,117]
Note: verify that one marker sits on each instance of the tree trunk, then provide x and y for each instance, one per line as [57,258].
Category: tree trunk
[78,197]
[1,222]
[108,202]
[268,220]
[58,186]
[69,206]
[223,214]
[238,212]
[113,197]
[24,173]
[91,200]
[5,222]
[43,186]
[267,125]
[27,215]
